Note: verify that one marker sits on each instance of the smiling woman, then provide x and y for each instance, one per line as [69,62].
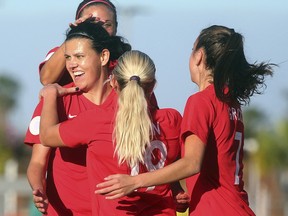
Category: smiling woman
[85,44]
[83,48]
[79,58]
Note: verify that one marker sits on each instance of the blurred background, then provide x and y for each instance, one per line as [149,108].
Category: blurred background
[166,31]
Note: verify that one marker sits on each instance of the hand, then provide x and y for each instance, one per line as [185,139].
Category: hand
[182,200]
[40,200]
[88,17]
[56,90]
[116,186]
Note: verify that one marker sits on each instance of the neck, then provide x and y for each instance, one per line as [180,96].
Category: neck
[100,94]
[204,85]
[205,79]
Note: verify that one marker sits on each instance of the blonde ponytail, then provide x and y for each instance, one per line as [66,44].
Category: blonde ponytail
[135,75]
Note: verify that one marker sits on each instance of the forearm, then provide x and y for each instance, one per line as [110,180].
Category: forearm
[49,118]
[119,185]
[176,171]
[53,69]
[49,123]
[190,164]
[36,171]
[36,175]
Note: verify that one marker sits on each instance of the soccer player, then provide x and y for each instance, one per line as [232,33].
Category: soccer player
[66,186]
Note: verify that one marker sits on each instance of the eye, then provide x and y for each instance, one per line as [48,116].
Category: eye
[67,57]
[79,56]
[107,24]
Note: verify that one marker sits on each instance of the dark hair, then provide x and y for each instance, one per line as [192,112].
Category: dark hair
[88,3]
[234,78]
[100,38]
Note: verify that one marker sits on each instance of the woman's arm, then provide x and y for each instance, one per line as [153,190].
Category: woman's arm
[49,123]
[118,185]
[36,175]
[54,68]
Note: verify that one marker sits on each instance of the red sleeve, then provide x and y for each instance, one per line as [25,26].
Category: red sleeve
[73,132]
[81,129]
[197,118]
[32,134]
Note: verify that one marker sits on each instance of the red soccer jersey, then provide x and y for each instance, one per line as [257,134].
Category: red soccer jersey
[96,127]
[218,189]
[67,180]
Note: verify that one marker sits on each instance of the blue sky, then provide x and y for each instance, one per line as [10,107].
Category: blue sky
[164,29]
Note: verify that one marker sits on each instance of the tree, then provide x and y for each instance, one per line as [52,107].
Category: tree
[270,157]
[8,97]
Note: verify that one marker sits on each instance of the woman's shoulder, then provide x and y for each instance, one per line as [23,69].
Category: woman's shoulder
[168,114]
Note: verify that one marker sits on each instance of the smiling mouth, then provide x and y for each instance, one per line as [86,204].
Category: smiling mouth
[78,74]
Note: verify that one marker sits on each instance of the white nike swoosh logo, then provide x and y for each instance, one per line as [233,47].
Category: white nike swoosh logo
[71,116]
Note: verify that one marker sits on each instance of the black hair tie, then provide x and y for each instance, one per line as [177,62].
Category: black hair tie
[134,77]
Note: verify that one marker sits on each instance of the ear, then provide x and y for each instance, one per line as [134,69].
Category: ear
[199,56]
[113,82]
[105,55]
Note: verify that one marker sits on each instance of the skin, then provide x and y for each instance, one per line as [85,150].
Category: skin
[118,185]
[81,58]
[85,68]
[104,14]
[36,172]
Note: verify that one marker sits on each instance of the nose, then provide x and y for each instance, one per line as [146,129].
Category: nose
[72,63]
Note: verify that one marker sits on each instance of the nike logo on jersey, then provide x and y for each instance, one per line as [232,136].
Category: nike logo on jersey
[71,116]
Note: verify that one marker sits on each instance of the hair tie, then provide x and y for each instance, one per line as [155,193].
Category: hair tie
[135,77]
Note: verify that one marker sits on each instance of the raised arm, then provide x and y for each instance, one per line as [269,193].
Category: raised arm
[49,123]
[54,67]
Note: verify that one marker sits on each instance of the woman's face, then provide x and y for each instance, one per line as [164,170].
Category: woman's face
[83,63]
[192,65]
[104,14]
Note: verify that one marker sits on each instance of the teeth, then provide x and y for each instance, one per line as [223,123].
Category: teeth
[78,73]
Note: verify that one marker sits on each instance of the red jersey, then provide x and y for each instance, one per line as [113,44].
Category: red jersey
[67,179]
[218,189]
[96,128]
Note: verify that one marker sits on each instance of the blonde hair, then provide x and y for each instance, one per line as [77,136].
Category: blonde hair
[135,75]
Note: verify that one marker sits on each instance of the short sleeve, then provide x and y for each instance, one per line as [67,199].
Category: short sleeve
[32,134]
[198,117]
